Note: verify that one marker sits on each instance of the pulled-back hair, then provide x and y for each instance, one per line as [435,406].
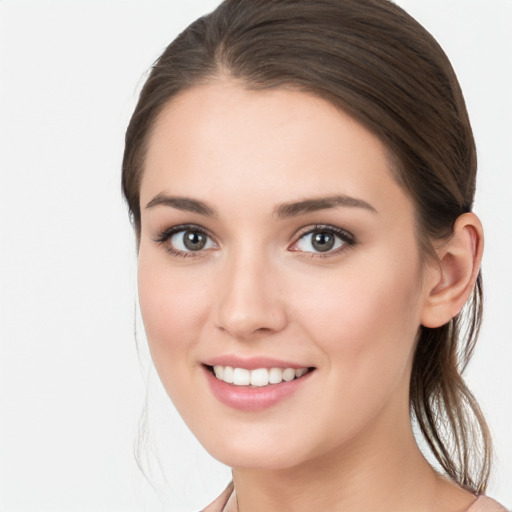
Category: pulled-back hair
[376,63]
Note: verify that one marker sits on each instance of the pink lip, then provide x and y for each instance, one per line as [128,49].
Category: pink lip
[251,363]
[251,399]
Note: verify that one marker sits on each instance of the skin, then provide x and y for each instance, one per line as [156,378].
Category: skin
[343,441]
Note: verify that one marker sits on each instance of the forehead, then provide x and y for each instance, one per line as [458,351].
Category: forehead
[219,140]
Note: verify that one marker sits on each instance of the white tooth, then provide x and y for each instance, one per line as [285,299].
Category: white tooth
[228,375]
[300,372]
[289,374]
[259,377]
[275,375]
[219,371]
[241,377]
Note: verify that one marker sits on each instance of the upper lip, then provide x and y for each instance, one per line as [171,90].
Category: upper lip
[252,363]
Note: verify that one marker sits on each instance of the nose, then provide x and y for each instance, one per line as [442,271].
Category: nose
[249,302]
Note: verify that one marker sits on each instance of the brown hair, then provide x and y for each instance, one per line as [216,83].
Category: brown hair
[375,62]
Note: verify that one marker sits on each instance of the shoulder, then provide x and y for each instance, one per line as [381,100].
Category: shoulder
[219,504]
[486,504]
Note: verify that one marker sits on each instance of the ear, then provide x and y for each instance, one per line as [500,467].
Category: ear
[451,279]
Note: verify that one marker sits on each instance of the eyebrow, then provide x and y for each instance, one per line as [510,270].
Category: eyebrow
[283,211]
[182,203]
[320,203]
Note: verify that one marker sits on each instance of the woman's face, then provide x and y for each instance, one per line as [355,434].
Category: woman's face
[275,241]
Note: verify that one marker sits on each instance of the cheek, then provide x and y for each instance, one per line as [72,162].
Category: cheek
[173,310]
[365,318]
[365,324]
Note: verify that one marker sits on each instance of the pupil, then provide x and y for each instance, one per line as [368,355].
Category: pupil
[323,241]
[194,240]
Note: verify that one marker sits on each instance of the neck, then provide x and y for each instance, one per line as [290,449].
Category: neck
[367,475]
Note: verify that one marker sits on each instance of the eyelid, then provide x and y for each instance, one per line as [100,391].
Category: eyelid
[164,234]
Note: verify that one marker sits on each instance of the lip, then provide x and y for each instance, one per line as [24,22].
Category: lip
[252,363]
[253,399]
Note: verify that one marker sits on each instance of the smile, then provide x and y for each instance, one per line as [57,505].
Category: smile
[255,389]
[258,377]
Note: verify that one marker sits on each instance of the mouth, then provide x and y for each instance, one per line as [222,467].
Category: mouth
[258,377]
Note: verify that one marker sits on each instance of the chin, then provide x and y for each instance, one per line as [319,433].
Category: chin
[263,452]
[256,458]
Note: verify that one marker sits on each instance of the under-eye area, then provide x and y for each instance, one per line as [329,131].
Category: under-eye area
[258,377]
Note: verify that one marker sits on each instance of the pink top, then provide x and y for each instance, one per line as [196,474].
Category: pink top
[481,504]
[219,504]
[485,504]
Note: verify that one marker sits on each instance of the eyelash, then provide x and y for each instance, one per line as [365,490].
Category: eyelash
[348,239]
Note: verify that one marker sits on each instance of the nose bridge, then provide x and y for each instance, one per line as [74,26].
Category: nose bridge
[249,299]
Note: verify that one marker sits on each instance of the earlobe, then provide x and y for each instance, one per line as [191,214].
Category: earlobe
[453,278]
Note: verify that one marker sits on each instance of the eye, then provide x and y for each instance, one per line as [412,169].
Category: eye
[323,239]
[185,240]
[190,240]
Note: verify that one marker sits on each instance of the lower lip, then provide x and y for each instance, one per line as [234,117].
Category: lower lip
[253,398]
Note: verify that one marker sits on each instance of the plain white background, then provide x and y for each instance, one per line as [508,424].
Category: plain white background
[72,384]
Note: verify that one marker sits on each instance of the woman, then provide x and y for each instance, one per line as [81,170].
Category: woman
[300,177]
